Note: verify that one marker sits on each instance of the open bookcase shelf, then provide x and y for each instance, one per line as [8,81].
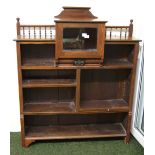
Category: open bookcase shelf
[52,107]
[75,126]
[75,131]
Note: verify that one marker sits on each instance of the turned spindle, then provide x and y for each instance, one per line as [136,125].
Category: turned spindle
[18,26]
[120,33]
[50,32]
[131,28]
[126,30]
[110,32]
[34,31]
[45,31]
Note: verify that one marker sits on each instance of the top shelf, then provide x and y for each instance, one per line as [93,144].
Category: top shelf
[46,33]
[52,40]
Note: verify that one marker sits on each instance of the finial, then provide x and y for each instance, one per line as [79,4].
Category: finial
[18,19]
[131,21]
[18,26]
[131,28]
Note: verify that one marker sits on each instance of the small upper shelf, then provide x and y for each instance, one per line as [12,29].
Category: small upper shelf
[117,63]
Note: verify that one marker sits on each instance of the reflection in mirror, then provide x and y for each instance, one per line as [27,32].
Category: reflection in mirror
[84,39]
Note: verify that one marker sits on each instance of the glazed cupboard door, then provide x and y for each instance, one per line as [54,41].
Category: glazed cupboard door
[138,108]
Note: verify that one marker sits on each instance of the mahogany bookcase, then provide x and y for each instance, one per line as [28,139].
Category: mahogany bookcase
[75,95]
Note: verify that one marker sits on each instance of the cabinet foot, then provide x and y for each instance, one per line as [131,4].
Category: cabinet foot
[27,142]
[126,139]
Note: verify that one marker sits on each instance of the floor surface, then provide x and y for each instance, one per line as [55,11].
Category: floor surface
[74,147]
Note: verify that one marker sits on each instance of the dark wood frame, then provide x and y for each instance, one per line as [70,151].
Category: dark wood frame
[111,114]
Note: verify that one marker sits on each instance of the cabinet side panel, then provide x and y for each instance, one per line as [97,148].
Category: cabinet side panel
[136,50]
[20,92]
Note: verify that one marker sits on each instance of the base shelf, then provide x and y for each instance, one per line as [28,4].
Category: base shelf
[49,107]
[75,131]
[119,105]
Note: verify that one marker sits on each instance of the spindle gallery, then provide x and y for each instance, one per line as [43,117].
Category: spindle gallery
[76,78]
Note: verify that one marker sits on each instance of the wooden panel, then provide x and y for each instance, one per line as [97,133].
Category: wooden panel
[75,131]
[35,95]
[70,118]
[72,13]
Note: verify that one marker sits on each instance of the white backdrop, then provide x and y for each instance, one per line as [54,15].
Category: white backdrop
[41,12]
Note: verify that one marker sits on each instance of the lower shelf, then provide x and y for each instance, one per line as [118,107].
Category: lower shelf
[49,107]
[75,131]
[119,105]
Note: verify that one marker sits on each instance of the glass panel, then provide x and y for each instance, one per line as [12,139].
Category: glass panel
[142,125]
[83,39]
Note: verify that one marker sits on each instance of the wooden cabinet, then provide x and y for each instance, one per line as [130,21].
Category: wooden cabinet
[80,40]
[62,98]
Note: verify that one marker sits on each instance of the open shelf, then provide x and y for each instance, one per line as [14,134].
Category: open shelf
[75,131]
[49,83]
[49,78]
[105,90]
[52,107]
[48,100]
[75,126]
[105,105]
[37,54]
[119,55]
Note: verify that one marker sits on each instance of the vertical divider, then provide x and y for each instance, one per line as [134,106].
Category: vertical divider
[78,77]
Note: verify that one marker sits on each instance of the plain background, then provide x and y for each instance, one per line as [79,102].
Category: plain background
[116,12]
